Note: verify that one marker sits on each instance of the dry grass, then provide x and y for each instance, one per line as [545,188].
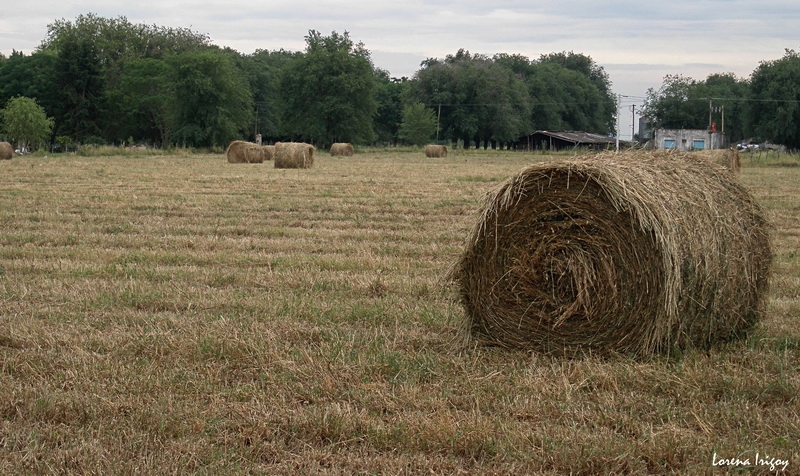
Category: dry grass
[174,315]
[728,158]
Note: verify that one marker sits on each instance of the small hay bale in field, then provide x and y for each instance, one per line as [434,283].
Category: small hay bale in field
[294,155]
[435,150]
[728,158]
[242,152]
[6,151]
[269,152]
[342,149]
[616,253]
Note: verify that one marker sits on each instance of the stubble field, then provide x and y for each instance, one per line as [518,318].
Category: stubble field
[183,315]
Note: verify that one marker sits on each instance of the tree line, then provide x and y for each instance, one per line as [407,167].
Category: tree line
[108,81]
[100,80]
[763,107]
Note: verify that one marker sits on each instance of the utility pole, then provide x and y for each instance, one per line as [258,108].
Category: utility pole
[438,116]
[619,100]
[633,121]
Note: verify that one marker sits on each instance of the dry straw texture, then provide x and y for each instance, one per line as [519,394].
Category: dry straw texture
[728,158]
[638,253]
[241,152]
[6,151]
[294,155]
[343,149]
[433,150]
[269,152]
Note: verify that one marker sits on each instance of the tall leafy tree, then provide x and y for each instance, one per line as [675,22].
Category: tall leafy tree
[79,76]
[389,96]
[775,100]
[418,124]
[328,92]
[600,99]
[213,104]
[146,101]
[114,42]
[564,99]
[685,103]
[32,76]
[263,69]
[26,123]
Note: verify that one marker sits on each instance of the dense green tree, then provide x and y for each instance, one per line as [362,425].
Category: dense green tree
[95,52]
[26,123]
[146,101]
[389,97]
[32,76]
[79,76]
[775,100]
[685,103]
[564,99]
[328,92]
[418,124]
[212,104]
[604,105]
[263,69]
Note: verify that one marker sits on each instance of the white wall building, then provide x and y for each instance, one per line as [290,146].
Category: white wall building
[689,139]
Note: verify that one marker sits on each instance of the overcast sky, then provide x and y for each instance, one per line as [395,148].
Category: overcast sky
[637,43]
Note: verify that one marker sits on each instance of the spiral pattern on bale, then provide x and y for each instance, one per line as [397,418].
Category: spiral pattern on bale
[635,253]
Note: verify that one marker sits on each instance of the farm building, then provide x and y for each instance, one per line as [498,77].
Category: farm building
[690,139]
[564,140]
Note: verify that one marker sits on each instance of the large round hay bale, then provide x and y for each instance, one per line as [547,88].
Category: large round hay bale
[435,150]
[242,152]
[343,149]
[294,155]
[625,253]
[6,151]
[728,158]
[269,152]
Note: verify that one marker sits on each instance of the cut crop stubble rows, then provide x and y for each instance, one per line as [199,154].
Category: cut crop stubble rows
[186,315]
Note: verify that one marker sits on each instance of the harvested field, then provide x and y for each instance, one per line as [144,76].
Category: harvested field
[163,315]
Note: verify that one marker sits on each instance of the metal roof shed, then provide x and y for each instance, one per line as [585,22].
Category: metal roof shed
[561,140]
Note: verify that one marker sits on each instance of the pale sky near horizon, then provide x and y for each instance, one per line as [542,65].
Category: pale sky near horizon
[637,43]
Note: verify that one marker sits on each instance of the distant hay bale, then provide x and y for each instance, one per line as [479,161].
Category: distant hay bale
[434,150]
[241,152]
[342,149]
[269,152]
[616,253]
[6,151]
[294,155]
[728,158]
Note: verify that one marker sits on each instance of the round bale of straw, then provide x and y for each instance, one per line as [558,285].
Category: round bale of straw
[343,149]
[435,150]
[6,151]
[242,152]
[269,152]
[728,158]
[294,155]
[616,253]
